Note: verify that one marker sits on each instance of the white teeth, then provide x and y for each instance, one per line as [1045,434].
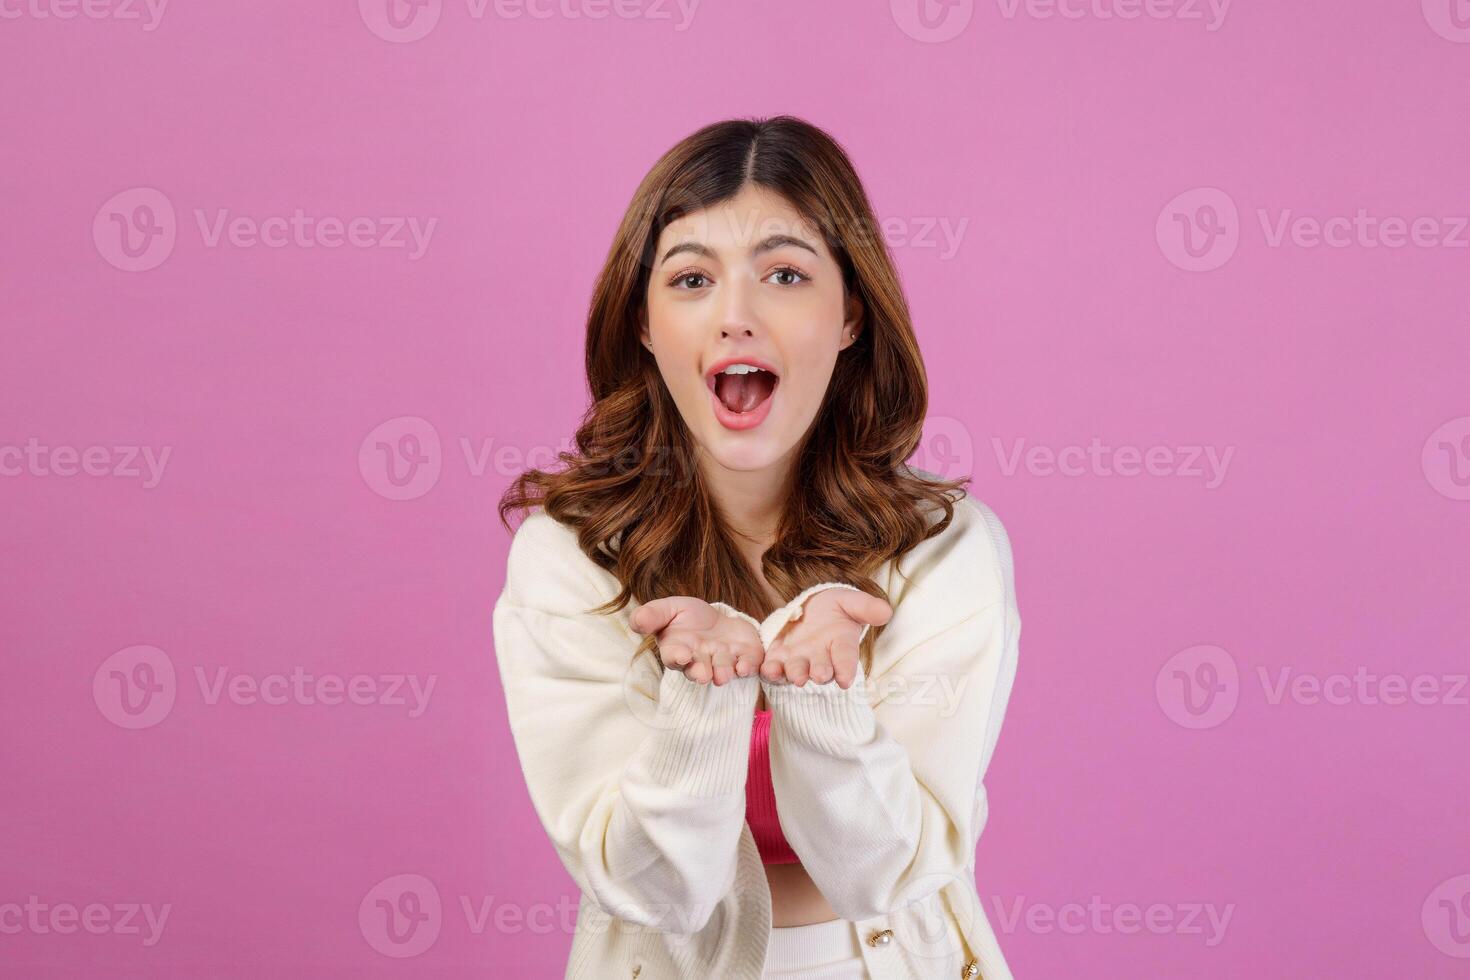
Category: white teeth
[741,369]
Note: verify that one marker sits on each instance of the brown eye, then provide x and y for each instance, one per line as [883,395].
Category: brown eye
[787,270]
[684,276]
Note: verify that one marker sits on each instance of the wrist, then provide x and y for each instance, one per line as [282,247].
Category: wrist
[729,610]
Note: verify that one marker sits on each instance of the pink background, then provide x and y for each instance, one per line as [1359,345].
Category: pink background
[1071,308]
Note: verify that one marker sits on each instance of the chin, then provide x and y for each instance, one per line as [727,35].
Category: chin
[745,455]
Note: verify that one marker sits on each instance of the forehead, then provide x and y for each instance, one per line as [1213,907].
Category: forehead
[738,224]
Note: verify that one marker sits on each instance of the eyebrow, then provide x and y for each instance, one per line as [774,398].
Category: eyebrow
[764,245]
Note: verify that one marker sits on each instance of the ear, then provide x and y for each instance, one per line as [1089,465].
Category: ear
[853,321]
[643,337]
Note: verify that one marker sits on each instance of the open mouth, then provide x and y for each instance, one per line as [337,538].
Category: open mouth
[741,391]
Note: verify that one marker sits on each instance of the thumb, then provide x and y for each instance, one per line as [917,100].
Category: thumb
[653,616]
[864,608]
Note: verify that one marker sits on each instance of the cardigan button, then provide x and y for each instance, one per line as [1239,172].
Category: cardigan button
[881,938]
[637,970]
[971,971]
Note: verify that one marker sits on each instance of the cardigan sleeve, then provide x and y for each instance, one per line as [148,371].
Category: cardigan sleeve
[638,780]
[884,804]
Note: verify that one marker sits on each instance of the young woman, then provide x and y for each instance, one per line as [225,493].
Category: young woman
[755,666]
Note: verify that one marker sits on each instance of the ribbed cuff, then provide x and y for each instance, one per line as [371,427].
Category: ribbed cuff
[729,610]
[823,715]
[702,747]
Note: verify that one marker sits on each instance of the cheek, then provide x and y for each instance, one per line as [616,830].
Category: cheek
[815,354]
[811,378]
[675,334]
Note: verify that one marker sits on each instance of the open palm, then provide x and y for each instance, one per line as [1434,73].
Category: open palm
[823,643]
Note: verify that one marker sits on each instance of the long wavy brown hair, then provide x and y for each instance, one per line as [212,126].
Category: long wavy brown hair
[631,490]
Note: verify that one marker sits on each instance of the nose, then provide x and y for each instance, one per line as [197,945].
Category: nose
[738,317]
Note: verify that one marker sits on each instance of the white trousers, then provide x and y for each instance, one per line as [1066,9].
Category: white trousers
[822,951]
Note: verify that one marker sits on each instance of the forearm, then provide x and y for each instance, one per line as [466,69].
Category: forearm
[875,828]
[666,854]
[637,775]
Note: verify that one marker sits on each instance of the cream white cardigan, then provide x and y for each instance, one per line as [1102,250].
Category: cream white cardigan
[639,777]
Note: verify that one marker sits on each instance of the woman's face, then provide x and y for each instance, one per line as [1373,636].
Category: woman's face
[747,282]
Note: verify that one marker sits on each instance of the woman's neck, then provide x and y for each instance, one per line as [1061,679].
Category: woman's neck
[750,502]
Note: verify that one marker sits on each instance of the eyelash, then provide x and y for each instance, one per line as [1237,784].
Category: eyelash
[685,274]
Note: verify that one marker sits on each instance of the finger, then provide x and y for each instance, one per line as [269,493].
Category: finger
[845,661]
[676,655]
[652,616]
[864,608]
[798,669]
[820,667]
[773,665]
[699,670]
[723,664]
[749,659]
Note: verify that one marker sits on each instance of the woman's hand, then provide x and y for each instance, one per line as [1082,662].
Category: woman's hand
[823,643]
[698,639]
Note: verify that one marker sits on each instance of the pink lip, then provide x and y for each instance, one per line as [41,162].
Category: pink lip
[720,365]
[740,420]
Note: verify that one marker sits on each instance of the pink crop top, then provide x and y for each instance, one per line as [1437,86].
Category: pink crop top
[760,797]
